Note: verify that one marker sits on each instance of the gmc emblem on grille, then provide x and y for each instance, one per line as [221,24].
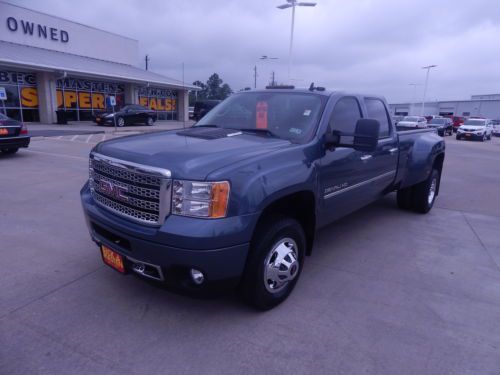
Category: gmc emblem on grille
[114,191]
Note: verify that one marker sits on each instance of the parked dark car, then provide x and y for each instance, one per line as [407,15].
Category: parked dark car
[202,107]
[238,198]
[13,135]
[443,125]
[127,115]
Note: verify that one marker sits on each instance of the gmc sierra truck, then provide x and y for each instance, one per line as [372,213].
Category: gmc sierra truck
[236,199]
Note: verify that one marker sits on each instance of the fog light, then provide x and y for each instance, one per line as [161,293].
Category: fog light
[197,276]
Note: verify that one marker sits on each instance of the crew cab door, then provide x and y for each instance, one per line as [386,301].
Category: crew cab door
[342,171]
[381,165]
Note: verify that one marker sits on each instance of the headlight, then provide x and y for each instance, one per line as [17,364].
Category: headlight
[110,115]
[200,199]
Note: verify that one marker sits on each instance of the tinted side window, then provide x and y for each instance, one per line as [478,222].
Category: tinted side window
[345,115]
[376,110]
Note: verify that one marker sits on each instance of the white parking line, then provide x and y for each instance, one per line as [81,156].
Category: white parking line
[74,137]
[56,155]
[88,138]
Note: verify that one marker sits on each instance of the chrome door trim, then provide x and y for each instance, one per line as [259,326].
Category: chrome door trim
[348,188]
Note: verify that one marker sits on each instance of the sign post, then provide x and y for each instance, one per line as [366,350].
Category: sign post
[3,98]
[111,102]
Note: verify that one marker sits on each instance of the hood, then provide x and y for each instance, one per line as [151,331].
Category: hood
[408,123]
[472,127]
[189,157]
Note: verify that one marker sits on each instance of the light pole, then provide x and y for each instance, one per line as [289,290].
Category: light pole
[292,4]
[414,98]
[428,68]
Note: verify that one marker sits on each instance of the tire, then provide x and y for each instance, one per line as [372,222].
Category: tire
[278,237]
[458,137]
[404,198]
[424,193]
[120,122]
[10,151]
[150,121]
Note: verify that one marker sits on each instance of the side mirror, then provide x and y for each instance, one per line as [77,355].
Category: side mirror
[366,135]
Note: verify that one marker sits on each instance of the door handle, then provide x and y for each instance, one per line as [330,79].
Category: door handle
[393,150]
[366,157]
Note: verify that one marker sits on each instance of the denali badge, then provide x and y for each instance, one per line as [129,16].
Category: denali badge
[114,191]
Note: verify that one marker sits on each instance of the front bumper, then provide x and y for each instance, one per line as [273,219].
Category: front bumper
[218,248]
[15,142]
[104,121]
[470,136]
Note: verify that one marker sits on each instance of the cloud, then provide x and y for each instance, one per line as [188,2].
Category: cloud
[364,45]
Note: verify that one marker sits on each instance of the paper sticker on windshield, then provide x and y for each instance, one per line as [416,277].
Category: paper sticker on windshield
[295,131]
[307,112]
[261,115]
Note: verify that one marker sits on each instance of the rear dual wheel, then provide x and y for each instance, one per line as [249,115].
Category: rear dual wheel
[10,151]
[420,197]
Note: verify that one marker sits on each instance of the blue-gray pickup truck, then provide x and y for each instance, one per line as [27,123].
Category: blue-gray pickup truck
[236,199]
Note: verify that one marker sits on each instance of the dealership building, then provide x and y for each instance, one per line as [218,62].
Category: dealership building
[49,63]
[487,106]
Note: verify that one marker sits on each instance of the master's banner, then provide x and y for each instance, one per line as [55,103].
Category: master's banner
[89,85]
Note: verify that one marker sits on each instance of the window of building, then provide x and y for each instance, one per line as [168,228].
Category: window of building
[22,95]
[82,99]
[162,101]
[376,110]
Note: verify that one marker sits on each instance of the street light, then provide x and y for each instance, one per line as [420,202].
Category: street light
[414,98]
[429,67]
[292,4]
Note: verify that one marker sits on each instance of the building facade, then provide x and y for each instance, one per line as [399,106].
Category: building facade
[487,106]
[48,63]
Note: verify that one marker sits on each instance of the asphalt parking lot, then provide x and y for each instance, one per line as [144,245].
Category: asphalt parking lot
[385,291]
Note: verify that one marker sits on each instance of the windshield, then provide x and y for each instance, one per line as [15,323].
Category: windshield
[292,116]
[411,118]
[438,121]
[474,122]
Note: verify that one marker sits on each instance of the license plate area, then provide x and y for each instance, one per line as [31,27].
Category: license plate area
[113,259]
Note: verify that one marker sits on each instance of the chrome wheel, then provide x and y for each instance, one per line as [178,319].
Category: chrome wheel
[121,121]
[432,191]
[150,121]
[281,265]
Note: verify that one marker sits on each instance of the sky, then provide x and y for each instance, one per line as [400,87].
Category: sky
[367,46]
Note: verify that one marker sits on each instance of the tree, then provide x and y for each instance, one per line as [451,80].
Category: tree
[215,88]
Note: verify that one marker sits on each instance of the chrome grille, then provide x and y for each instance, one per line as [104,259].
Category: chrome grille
[137,192]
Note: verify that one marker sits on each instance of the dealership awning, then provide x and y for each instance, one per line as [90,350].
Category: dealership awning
[17,55]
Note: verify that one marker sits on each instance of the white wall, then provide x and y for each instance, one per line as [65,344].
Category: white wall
[81,40]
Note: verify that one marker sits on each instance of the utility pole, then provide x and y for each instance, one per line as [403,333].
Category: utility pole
[273,82]
[147,61]
[255,76]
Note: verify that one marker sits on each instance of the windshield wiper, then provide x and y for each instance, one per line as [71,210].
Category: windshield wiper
[263,131]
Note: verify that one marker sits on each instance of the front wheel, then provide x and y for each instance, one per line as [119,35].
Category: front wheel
[120,121]
[458,137]
[150,121]
[275,262]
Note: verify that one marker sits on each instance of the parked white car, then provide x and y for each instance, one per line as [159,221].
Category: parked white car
[496,128]
[476,128]
[417,122]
